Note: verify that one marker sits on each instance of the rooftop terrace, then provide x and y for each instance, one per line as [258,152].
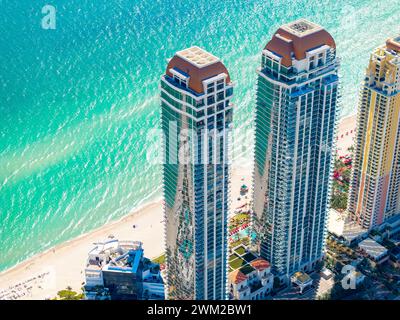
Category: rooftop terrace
[296,39]
[302,277]
[115,255]
[245,261]
[301,27]
[197,65]
[197,56]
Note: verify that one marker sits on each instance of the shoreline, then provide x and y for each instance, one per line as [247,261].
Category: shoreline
[21,264]
[44,274]
[351,115]
[69,242]
[345,134]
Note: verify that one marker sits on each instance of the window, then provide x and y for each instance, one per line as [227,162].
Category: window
[181,81]
[199,103]
[220,84]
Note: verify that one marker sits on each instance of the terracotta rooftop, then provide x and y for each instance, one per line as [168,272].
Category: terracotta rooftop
[260,264]
[236,277]
[297,38]
[199,65]
[393,44]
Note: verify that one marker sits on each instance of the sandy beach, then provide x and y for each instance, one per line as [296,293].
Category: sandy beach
[55,269]
[43,275]
[346,132]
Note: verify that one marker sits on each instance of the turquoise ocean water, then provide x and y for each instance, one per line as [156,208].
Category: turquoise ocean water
[76,103]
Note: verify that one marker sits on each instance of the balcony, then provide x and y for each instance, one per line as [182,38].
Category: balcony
[243,289]
[255,286]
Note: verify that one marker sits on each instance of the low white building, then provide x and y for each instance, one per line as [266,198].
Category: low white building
[374,250]
[302,280]
[254,281]
[118,270]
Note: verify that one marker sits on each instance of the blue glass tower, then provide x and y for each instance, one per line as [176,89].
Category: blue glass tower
[295,120]
[196,114]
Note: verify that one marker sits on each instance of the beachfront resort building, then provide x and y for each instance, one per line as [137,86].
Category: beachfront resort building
[250,276]
[196,113]
[374,190]
[118,270]
[296,110]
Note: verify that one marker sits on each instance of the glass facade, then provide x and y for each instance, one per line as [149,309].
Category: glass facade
[294,138]
[195,186]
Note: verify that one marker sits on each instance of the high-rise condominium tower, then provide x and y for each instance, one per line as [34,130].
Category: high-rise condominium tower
[374,191]
[195,114]
[295,122]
